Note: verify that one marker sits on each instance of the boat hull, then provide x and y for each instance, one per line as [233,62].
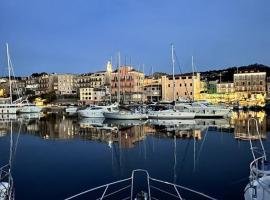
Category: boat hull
[124,116]
[91,113]
[171,115]
[29,109]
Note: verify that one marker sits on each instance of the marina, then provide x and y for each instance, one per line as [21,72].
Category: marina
[103,151]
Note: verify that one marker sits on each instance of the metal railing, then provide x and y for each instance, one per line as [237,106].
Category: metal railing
[155,189]
[259,167]
[6,183]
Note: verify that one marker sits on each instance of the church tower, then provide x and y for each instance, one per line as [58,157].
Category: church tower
[109,67]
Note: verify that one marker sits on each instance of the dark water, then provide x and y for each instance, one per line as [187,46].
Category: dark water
[57,157]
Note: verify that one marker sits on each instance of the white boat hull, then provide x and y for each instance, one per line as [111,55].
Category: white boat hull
[258,189]
[91,113]
[29,109]
[124,115]
[172,114]
[4,187]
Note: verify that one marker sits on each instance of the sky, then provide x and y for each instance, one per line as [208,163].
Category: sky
[78,36]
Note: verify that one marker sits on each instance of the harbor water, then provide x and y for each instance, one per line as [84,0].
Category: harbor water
[57,157]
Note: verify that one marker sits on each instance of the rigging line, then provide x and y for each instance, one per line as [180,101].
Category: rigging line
[11,145]
[17,141]
[179,66]
[12,71]
[201,147]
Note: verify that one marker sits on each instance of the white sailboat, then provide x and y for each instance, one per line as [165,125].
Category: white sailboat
[172,113]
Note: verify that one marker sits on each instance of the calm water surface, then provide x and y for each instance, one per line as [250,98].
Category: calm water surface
[57,157]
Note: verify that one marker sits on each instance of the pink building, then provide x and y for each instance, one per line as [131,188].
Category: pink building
[131,84]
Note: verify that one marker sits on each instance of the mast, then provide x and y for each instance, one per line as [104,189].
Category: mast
[151,91]
[173,71]
[142,89]
[118,93]
[9,73]
[193,87]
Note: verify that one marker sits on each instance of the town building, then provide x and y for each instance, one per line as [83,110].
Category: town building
[131,84]
[248,84]
[64,84]
[31,85]
[187,87]
[92,95]
[225,88]
[152,89]
[44,85]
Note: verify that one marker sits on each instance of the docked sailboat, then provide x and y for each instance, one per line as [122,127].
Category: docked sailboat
[172,113]
[259,179]
[95,111]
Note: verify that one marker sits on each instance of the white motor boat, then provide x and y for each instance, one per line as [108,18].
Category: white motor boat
[171,114]
[204,110]
[125,115]
[28,108]
[96,111]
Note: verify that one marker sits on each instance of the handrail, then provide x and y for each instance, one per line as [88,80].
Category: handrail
[90,190]
[150,196]
[259,136]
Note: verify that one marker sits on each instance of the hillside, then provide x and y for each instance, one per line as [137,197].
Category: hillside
[227,74]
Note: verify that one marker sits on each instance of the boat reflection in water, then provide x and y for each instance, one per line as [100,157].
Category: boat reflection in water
[59,127]
[240,120]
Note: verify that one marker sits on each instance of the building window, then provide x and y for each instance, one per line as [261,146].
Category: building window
[190,84]
[190,93]
[180,85]
[168,85]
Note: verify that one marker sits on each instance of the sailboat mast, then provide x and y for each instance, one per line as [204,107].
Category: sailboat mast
[118,93]
[9,73]
[173,72]
[151,92]
[193,86]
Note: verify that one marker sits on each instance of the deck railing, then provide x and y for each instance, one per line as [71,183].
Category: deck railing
[6,183]
[155,189]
